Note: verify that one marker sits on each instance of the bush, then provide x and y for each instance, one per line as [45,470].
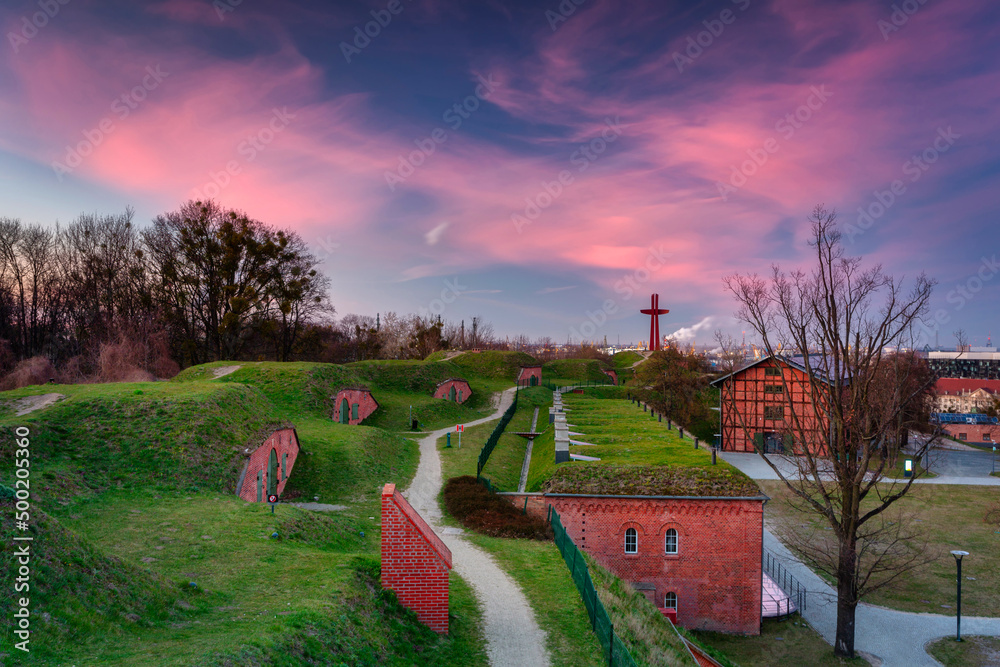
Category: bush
[36,370]
[6,493]
[479,509]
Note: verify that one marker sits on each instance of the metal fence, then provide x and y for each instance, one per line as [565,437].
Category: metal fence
[608,382]
[491,443]
[614,650]
[789,584]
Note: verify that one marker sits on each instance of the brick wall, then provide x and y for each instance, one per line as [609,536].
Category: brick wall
[613,374]
[285,445]
[974,432]
[716,573]
[361,397]
[415,562]
[528,372]
[462,390]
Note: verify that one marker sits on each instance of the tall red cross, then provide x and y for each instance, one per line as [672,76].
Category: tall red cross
[654,311]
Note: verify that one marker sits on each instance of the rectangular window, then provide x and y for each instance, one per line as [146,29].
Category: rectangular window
[774,412]
[963,436]
[354,411]
[772,371]
[773,389]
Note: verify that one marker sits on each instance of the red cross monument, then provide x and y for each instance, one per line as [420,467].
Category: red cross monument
[654,311]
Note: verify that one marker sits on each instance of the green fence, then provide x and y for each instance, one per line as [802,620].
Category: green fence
[580,383]
[494,438]
[614,650]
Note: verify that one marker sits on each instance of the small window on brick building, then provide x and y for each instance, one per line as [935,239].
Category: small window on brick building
[354,411]
[670,542]
[774,412]
[963,436]
[670,600]
[631,541]
[773,389]
[772,371]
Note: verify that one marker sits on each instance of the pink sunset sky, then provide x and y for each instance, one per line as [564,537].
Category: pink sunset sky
[547,170]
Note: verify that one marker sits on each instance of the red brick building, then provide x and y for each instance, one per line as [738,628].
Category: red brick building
[453,389]
[529,376]
[268,466]
[700,556]
[770,399]
[611,373]
[415,562]
[353,404]
[978,433]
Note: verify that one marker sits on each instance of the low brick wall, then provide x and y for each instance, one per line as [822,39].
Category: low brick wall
[415,562]
[256,477]
[613,374]
[716,572]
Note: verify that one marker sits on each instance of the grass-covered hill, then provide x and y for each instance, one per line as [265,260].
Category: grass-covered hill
[134,499]
[573,370]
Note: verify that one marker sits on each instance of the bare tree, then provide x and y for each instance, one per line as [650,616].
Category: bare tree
[841,318]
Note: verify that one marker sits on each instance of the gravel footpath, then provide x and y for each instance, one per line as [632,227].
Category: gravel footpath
[513,638]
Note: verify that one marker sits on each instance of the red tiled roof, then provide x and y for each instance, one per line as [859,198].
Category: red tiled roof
[958,386]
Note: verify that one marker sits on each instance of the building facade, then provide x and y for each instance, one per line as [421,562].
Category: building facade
[353,405]
[529,376]
[698,556]
[965,394]
[767,406]
[268,466]
[453,389]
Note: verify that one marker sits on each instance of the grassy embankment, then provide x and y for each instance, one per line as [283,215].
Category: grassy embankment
[145,472]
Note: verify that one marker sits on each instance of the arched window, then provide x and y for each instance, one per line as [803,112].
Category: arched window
[670,542]
[631,541]
[670,601]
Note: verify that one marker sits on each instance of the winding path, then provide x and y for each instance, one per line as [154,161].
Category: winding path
[513,638]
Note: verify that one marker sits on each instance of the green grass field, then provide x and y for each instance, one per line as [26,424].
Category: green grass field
[947,518]
[970,652]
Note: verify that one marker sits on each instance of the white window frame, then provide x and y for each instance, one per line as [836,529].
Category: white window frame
[635,541]
[666,601]
[666,542]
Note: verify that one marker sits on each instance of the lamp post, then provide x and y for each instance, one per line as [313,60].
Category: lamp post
[958,560]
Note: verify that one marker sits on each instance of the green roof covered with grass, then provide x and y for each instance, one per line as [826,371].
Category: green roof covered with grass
[639,455]
[659,480]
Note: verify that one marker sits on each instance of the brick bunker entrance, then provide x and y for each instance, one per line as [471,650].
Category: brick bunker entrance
[415,562]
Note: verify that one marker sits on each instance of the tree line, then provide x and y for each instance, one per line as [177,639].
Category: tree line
[201,283]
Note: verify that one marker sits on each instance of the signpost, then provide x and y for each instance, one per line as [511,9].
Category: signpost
[908,468]
[460,428]
[273,499]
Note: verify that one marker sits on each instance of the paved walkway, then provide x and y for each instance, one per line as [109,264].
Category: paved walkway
[513,638]
[897,638]
[755,467]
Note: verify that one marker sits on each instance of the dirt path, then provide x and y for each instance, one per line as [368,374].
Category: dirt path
[23,406]
[224,370]
[512,635]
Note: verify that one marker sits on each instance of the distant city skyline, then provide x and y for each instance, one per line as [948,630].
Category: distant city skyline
[545,166]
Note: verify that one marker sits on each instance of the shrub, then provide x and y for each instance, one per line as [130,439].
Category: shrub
[479,509]
[36,370]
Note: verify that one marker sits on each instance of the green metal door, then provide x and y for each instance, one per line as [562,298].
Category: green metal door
[344,414]
[272,473]
[534,381]
[451,393]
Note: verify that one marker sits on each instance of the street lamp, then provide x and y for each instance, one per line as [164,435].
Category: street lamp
[958,559]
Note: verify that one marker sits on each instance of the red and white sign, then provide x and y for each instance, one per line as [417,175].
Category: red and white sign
[460,427]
